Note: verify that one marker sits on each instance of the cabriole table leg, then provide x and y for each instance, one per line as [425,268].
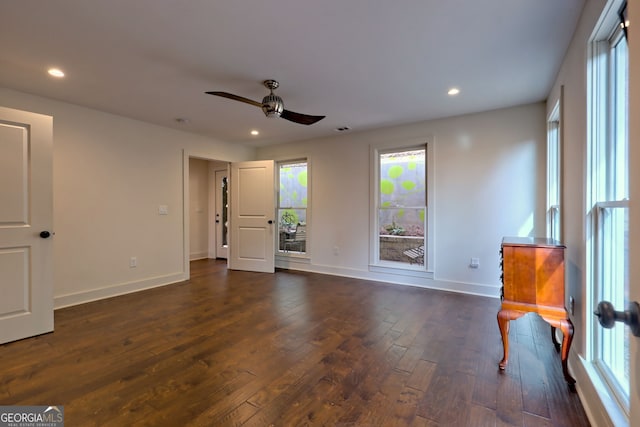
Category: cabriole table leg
[504,316]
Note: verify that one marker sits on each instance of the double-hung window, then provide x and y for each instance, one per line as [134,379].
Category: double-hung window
[292,207]
[401,215]
[608,200]
[554,173]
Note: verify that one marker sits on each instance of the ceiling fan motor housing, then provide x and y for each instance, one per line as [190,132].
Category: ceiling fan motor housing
[272,105]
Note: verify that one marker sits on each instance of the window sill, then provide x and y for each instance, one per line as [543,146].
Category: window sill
[402,269]
[287,259]
[614,411]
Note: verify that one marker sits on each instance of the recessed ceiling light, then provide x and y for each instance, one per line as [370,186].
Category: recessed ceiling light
[55,72]
[342,129]
[182,120]
[255,132]
[453,91]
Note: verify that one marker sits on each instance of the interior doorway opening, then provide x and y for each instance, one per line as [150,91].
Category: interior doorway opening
[220,194]
[250,208]
[206,208]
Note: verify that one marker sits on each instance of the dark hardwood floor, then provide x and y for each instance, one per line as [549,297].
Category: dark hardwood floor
[231,348]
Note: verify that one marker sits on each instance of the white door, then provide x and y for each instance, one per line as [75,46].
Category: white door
[252,226]
[26,211]
[221,213]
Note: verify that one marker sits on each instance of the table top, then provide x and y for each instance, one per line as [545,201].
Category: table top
[531,241]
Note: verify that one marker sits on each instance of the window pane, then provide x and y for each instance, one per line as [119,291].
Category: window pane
[553,165]
[293,185]
[402,209]
[615,289]
[620,147]
[554,222]
[292,230]
[553,175]
[402,179]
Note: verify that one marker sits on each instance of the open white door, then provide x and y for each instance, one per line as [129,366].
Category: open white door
[26,211]
[252,228]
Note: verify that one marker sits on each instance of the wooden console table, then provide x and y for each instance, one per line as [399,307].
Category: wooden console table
[533,281]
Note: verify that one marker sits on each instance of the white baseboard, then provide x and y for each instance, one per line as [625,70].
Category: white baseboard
[118,289]
[303,265]
[491,291]
[198,255]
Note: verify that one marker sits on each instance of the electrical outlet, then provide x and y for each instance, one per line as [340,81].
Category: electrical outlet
[133,262]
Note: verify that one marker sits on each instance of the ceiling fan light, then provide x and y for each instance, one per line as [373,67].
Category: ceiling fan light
[272,105]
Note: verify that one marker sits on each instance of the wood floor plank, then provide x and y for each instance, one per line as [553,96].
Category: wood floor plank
[233,348]
[482,417]
[534,389]
[410,358]
[447,399]
[509,395]
[488,379]
[421,376]
[531,420]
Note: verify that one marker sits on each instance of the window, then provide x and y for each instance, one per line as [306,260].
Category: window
[553,174]
[401,208]
[608,199]
[292,207]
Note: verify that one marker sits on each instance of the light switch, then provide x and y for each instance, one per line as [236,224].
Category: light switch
[163,210]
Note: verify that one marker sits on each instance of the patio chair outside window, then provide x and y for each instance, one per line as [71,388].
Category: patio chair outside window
[297,242]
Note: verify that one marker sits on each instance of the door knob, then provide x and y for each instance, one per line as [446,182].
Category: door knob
[45,234]
[270,221]
[608,316]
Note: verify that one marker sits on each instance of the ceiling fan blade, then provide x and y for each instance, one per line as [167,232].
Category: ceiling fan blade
[236,98]
[303,119]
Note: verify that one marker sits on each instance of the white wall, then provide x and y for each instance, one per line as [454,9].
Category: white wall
[489,183]
[198,208]
[573,77]
[110,175]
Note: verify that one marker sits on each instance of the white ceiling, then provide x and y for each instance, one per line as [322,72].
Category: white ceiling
[362,63]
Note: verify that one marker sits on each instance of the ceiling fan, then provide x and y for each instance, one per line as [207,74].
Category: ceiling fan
[272,105]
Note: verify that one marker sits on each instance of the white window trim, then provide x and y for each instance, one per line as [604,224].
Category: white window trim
[285,257]
[554,183]
[613,400]
[600,368]
[423,271]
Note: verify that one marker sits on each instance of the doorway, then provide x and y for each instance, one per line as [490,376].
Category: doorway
[208,209]
[220,195]
[250,207]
